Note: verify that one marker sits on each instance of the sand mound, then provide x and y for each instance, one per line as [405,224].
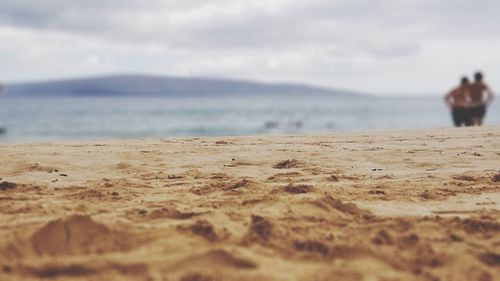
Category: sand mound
[490,259]
[170,213]
[7,186]
[94,195]
[37,167]
[226,185]
[298,188]
[495,178]
[78,234]
[203,229]
[260,230]
[57,270]
[480,226]
[215,259]
[463,178]
[284,176]
[312,247]
[287,164]
[328,203]
[212,265]
[89,194]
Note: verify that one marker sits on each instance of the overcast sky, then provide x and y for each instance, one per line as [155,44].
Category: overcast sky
[379,46]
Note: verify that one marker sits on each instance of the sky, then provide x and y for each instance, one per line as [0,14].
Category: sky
[395,47]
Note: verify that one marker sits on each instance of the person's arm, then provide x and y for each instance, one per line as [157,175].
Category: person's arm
[448,98]
[489,94]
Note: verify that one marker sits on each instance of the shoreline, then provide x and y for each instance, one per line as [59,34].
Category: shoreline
[389,205]
[373,132]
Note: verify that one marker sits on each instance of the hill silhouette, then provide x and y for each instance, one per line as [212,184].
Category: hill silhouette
[143,85]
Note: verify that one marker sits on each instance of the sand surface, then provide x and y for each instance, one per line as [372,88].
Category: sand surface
[413,205]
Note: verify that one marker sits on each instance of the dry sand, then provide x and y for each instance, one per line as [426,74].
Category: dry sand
[420,205]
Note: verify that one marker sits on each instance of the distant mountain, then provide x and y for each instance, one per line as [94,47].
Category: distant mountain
[155,86]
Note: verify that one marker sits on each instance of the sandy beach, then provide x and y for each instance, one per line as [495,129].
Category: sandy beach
[409,205]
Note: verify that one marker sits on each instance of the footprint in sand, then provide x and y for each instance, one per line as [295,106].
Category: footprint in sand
[490,259]
[222,185]
[382,237]
[161,213]
[496,178]
[284,176]
[464,178]
[472,226]
[298,188]
[312,247]
[287,164]
[203,229]
[34,167]
[7,186]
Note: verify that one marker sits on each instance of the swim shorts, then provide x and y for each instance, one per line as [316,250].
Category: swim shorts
[477,111]
[461,116]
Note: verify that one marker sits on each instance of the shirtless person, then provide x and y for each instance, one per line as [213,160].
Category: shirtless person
[478,102]
[458,100]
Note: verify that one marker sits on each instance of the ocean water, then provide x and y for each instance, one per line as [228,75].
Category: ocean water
[75,118]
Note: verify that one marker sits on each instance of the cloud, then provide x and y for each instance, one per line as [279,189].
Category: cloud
[358,44]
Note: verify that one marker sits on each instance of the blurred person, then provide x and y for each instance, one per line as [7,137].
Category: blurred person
[478,101]
[458,100]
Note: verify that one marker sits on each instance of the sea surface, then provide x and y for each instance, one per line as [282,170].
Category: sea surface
[31,119]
